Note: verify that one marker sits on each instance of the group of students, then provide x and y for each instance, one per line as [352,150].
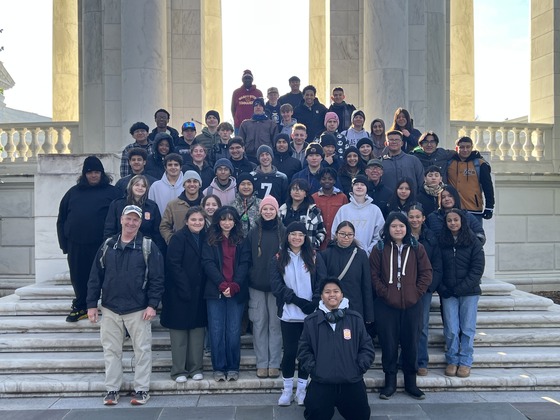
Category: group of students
[237,233]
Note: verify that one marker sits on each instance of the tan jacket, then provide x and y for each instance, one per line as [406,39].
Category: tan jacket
[173,218]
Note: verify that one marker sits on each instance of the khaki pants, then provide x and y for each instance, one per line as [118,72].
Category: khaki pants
[112,334]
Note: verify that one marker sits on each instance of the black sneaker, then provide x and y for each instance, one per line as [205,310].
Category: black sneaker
[112,398]
[76,315]
[140,398]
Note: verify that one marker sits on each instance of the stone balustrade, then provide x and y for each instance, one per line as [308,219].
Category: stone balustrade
[508,141]
[22,142]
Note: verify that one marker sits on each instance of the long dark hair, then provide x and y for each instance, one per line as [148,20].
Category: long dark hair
[215,231]
[345,168]
[130,195]
[396,215]
[395,202]
[302,184]
[464,237]
[307,254]
[453,193]
[409,124]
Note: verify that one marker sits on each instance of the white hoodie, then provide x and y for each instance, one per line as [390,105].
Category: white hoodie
[344,304]
[366,218]
[162,192]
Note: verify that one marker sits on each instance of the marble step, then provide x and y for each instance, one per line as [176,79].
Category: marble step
[67,362]
[89,341]
[92,384]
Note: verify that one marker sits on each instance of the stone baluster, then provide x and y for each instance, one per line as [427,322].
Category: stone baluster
[539,145]
[10,148]
[72,145]
[60,146]
[476,136]
[35,146]
[1,145]
[504,144]
[516,146]
[22,147]
[528,146]
[48,145]
[492,145]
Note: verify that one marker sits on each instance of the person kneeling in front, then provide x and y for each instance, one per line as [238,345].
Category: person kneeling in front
[336,350]
[128,269]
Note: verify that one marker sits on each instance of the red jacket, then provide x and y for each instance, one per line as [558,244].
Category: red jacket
[329,205]
[242,103]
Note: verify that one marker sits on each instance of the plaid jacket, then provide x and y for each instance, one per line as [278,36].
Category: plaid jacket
[125,167]
[313,222]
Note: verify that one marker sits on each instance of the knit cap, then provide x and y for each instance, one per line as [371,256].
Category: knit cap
[269,200]
[296,227]
[331,116]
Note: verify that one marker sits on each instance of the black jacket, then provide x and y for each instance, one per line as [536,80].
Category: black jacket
[463,267]
[429,202]
[82,213]
[287,164]
[313,118]
[122,278]
[212,260]
[380,194]
[240,166]
[172,132]
[356,283]
[154,164]
[431,245]
[206,174]
[151,219]
[261,244]
[339,356]
[184,306]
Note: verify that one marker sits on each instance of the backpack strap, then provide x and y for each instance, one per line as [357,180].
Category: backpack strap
[103,252]
[146,250]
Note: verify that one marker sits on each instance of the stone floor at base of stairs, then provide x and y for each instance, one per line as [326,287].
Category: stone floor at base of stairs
[437,406]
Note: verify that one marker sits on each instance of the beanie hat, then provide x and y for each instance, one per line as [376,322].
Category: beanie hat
[351,149]
[327,139]
[214,113]
[283,136]
[314,148]
[247,73]
[192,175]
[269,200]
[296,227]
[92,163]
[223,162]
[331,116]
[363,141]
[360,178]
[245,176]
[258,101]
[263,148]
[358,112]
[375,162]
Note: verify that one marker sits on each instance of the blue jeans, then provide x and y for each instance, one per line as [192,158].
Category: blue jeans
[459,328]
[423,339]
[224,328]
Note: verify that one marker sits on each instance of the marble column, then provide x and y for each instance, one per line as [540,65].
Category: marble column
[319,48]
[93,97]
[143,62]
[65,60]
[385,57]
[212,68]
[462,60]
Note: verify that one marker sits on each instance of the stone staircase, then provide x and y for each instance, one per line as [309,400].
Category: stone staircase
[516,348]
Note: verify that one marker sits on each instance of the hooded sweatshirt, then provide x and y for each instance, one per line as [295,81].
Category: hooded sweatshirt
[366,218]
[162,192]
[226,195]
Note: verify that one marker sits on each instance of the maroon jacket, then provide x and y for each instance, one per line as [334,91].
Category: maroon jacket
[415,279]
[242,103]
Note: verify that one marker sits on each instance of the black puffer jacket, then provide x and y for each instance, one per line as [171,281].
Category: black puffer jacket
[462,270]
[431,245]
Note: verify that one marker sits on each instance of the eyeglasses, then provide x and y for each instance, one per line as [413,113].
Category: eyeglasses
[345,235]
[424,142]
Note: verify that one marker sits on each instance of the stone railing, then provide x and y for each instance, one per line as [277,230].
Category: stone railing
[508,141]
[24,141]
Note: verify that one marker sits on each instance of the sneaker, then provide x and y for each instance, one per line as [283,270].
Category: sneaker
[422,371]
[76,315]
[300,397]
[273,372]
[262,373]
[198,377]
[219,376]
[463,372]
[286,398]
[451,370]
[181,379]
[140,398]
[232,375]
[111,398]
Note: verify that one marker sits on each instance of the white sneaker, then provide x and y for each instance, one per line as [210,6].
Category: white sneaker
[300,396]
[181,379]
[286,398]
[198,377]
